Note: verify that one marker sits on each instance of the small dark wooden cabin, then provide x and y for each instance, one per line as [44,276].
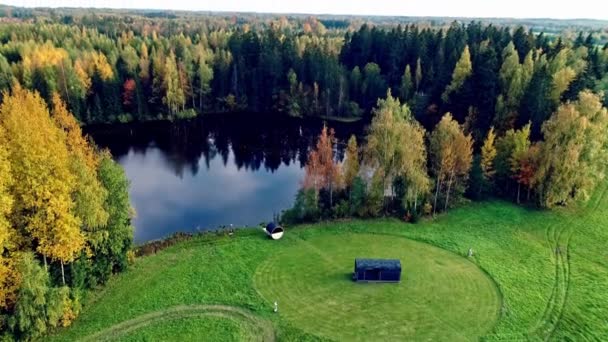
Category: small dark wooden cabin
[377,270]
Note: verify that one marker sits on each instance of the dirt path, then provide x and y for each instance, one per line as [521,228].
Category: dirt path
[258,329]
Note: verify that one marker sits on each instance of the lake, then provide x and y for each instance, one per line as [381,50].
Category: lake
[221,170]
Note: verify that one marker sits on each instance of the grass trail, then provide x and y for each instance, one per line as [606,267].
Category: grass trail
[256,328]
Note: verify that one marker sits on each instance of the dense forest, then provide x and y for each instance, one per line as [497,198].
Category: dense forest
[109,70]
[457,111]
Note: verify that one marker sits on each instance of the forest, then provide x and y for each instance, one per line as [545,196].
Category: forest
[64,215]
[406,171]
[456,111]
[111,70]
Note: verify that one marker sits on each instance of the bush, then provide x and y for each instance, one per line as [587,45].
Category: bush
[62,308]
[186,114]
[305,208]
[124,118]
[352,109]
[342,209]
[374,201]
[357,197]
[427,209]
[40,306]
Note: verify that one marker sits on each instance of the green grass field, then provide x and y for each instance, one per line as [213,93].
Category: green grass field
[536,275]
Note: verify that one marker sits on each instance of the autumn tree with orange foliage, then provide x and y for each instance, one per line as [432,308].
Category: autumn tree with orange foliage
[128,94]
[528,166]
[322,171]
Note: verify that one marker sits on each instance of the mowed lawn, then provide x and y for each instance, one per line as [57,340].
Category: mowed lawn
[441,296]
[534,274]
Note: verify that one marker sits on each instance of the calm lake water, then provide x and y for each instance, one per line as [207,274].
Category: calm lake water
[218,171]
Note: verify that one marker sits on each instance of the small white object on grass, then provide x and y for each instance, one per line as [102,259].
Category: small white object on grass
[276,307]
[470,254]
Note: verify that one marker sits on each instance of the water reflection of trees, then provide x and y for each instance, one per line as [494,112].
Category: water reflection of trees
[255,142]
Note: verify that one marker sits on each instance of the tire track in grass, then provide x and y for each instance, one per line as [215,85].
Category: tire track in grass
[559,242]
[587,215]
[258,329]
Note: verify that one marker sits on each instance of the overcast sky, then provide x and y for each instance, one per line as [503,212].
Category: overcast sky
[597,9]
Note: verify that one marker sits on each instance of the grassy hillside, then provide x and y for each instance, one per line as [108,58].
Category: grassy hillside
[550,270]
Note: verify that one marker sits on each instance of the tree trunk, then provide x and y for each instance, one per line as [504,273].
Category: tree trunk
[518,191]
[436,195]
[327,102]
[46,268]
[192,94]
[528,196]
[415,199]
[65,84]
[331,196]
[447,196]
[62,273]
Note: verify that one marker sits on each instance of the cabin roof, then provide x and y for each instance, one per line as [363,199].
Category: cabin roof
[362,263]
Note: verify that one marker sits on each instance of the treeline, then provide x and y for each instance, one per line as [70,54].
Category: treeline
[64,215]
[482,74]
[404,170]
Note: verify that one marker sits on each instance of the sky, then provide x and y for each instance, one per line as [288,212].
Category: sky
[559,9]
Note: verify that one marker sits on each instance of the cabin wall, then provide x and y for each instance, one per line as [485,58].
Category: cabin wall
[385,275]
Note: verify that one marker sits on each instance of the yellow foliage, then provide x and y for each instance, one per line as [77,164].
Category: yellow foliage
[43,183]
[40,56]
[131,256]
[91,62]
[102,66]
[68,314]
[89,195]
[76,142]
[82,75]
[10,280]
[488,154]
[6,201]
